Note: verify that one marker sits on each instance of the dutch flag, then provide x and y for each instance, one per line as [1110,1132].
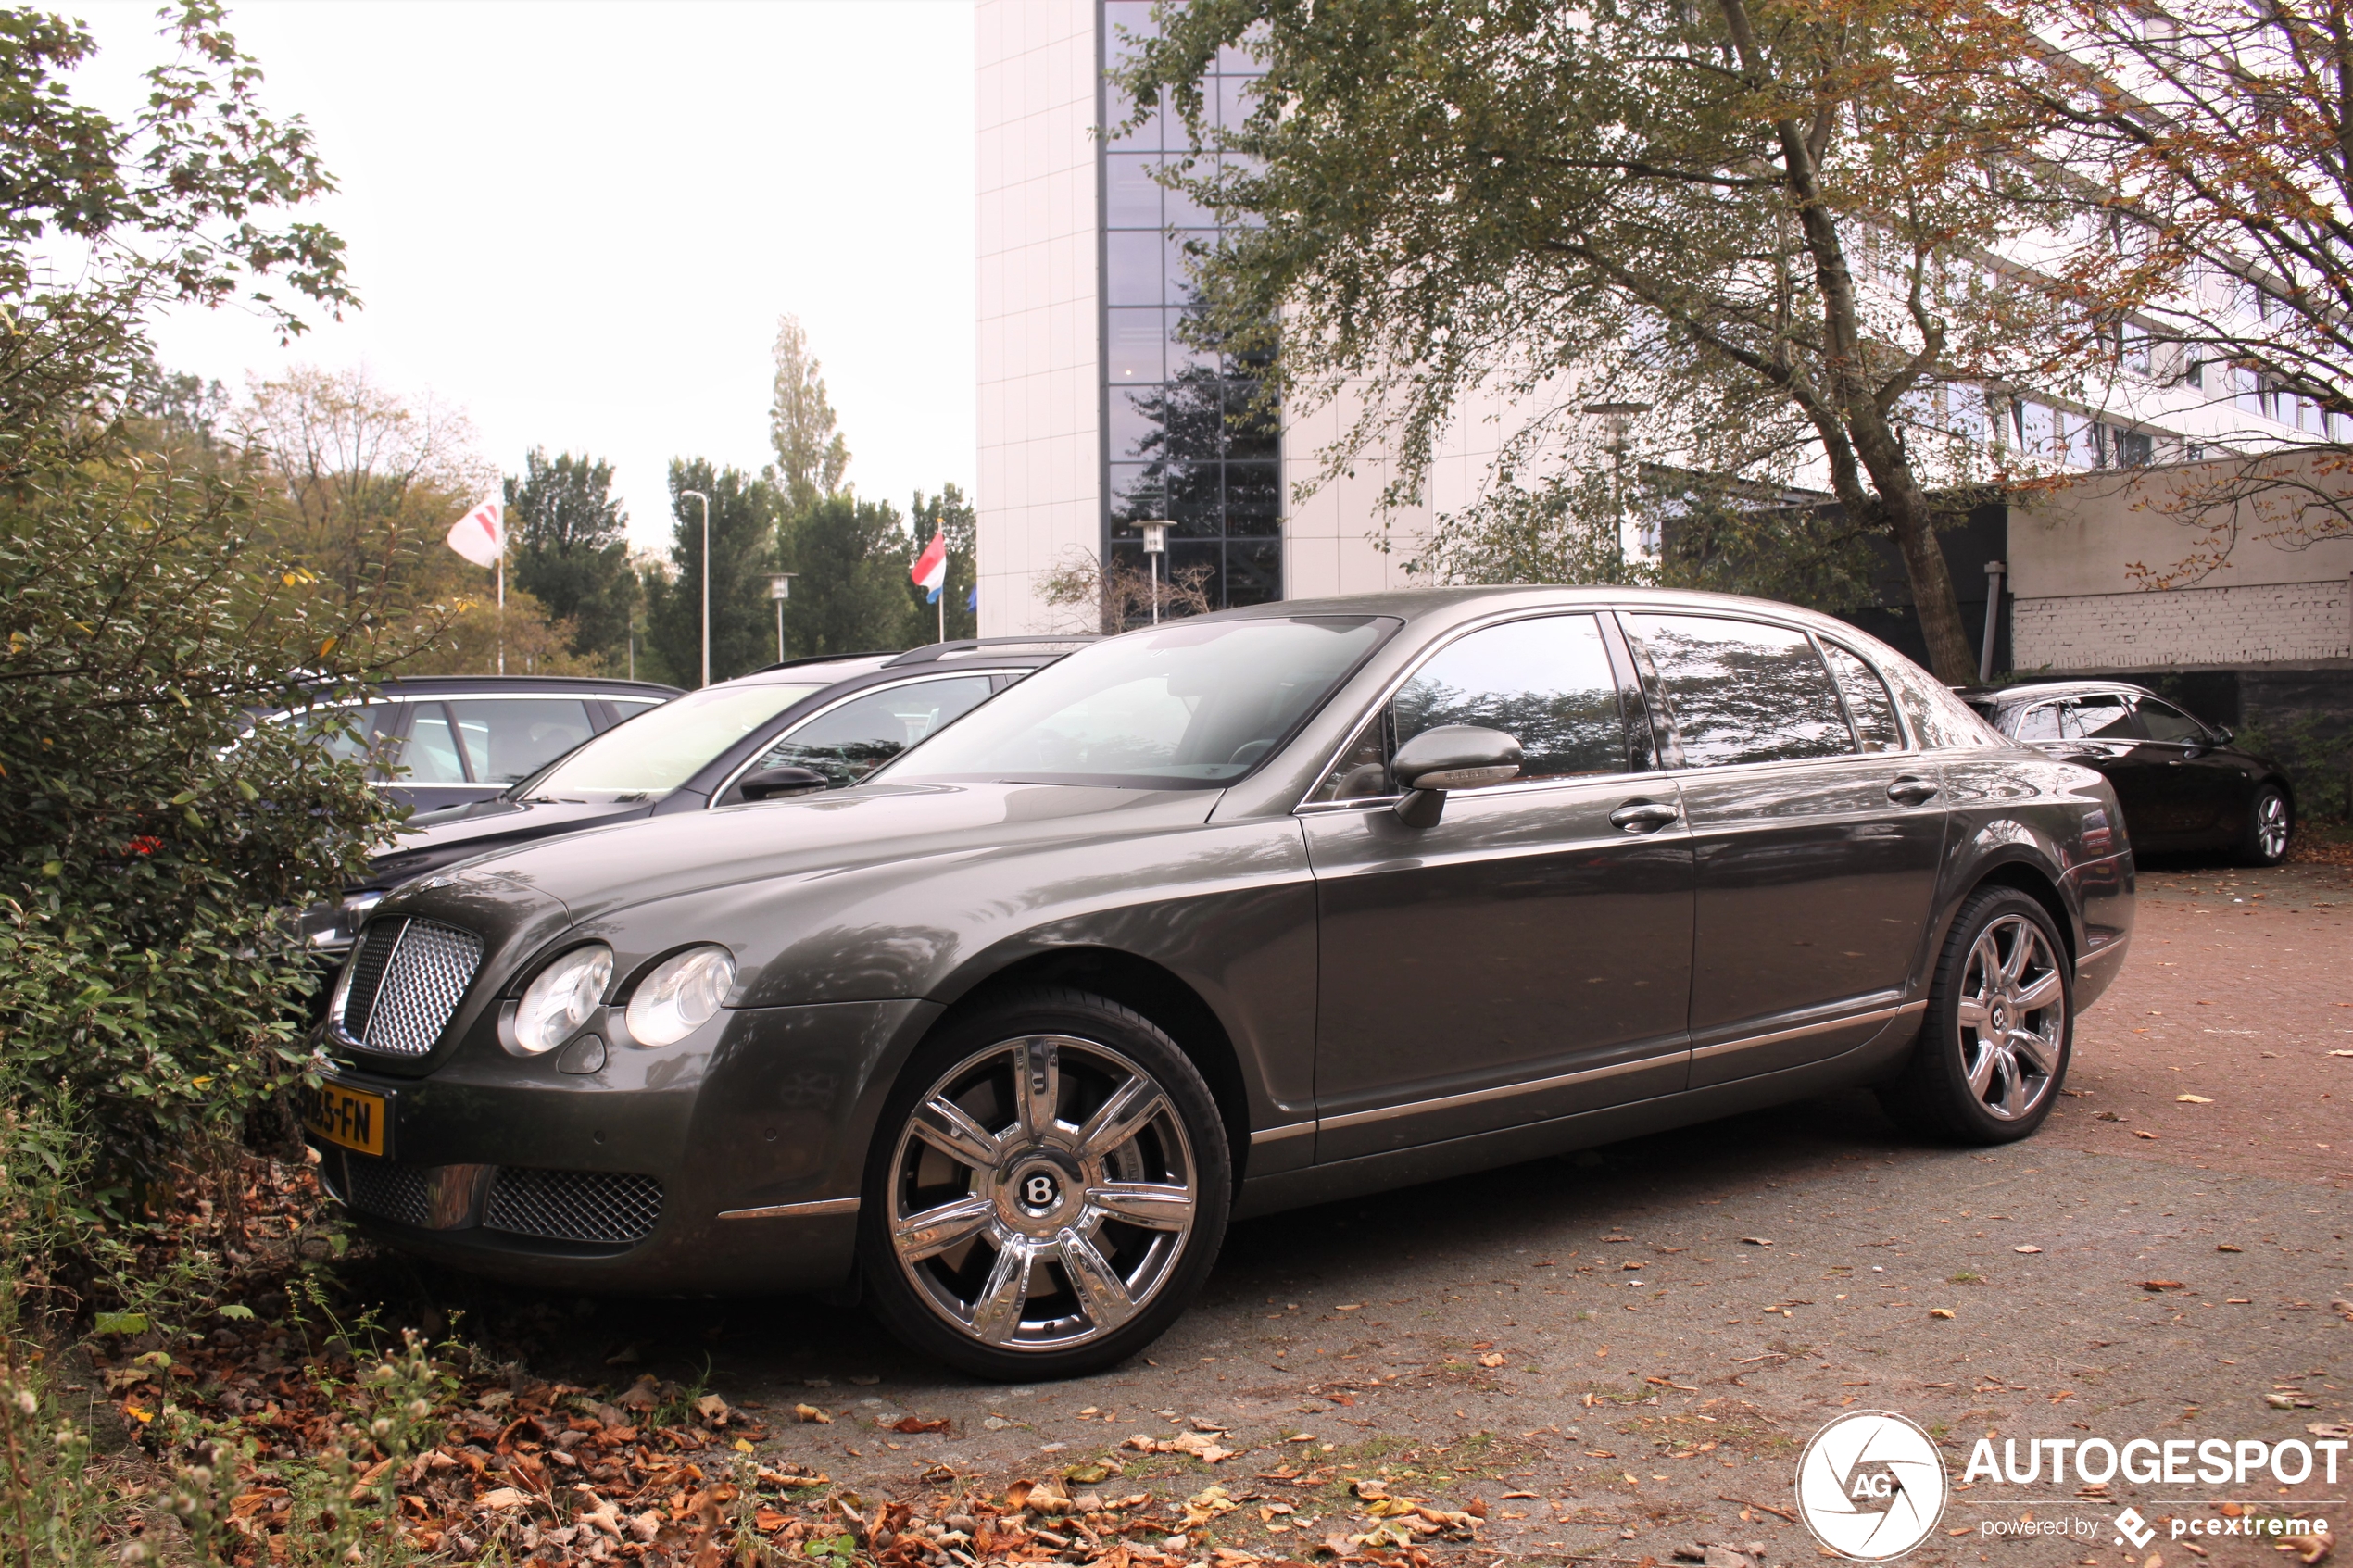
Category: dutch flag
[930,571]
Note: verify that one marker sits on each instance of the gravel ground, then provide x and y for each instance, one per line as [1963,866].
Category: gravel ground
[1622,1354]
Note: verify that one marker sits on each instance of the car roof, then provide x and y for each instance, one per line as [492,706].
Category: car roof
[1002,653]
[2045,691]
[397,687]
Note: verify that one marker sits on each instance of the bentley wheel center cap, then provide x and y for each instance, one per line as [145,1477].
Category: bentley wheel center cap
[1038,1189]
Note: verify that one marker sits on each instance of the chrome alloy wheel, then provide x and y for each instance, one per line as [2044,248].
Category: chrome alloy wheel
[1042,1193]
[2013,1017]
[2270,825]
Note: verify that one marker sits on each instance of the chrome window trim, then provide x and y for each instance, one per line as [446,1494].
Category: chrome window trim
[1500,618]
[962,673]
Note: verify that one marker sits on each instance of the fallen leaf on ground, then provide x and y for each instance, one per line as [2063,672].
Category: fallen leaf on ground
[811,1413]
[2138,1133]
[1754,1241]
[2308,1549]
[2026,1250]
[1940,1312]
[2192,1099]
[2226,1247]
[504,1496]
[2154,1285]
[911,1424]
[1492,1357]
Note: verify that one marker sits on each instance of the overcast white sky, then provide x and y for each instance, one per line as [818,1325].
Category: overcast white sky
[579,221]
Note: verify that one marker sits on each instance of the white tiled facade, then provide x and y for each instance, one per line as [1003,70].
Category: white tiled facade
[2269,622]
[1041,444]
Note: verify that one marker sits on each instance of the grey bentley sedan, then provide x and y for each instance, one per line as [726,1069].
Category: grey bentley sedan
[1237,913]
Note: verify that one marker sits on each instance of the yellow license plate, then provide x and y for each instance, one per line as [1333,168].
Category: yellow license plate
[354,1118]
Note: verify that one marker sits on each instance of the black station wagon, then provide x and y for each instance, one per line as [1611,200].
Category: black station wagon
[1234,914]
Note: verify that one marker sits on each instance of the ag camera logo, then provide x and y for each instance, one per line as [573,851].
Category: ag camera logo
[1871,1486]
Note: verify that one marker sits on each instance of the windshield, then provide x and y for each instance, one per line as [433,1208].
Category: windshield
[1189,706]
[662,748]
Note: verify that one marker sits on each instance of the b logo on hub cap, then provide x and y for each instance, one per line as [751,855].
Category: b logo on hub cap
[1039,1190]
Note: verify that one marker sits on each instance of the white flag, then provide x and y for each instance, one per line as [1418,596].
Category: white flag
[480,535]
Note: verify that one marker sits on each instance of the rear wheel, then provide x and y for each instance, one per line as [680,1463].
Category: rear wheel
[1047,1191]
[1994,1049]
[2263,841]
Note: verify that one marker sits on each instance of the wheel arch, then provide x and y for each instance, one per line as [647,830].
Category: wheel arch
[1148,988]
[2036,884]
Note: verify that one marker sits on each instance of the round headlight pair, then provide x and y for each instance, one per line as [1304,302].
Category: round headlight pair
[678,998]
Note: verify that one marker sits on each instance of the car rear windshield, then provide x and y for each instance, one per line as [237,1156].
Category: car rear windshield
[662,748]
[1195,705]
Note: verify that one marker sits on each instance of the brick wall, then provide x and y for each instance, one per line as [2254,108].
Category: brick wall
[2255,624]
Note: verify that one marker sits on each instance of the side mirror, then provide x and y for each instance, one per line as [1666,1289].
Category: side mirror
[772,784]
[2223,734]
[1450,757]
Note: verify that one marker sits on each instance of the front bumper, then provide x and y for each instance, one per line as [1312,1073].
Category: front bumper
[729,1162]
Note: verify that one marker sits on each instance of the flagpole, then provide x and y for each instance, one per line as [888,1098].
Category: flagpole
[502,602]
[943,612]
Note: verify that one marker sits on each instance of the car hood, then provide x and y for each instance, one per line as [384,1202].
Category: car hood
[760,850]
[432,839]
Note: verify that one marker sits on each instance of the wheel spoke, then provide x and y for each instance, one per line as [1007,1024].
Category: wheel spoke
[996,1310]
[1985,963]
[935,1230]
[946,1125]
[1097,1284]
[1981,1071]
[2045,992]
[2013,1087]
[1155,1205]
[2037,1051]
[1973,1013]
[2021,948]
[1038,1086]
[1130,1110]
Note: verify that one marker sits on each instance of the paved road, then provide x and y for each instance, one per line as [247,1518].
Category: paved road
[1669,1320]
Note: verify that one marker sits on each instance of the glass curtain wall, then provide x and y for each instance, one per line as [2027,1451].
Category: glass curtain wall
[1180,442]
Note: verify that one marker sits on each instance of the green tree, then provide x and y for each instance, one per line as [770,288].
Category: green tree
[571,550]
[850,595]
[1752,228]
[952,515]
[811,456]
[150,981]
[743,534]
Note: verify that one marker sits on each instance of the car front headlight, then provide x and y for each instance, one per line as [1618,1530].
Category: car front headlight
[562,997]
[681,995]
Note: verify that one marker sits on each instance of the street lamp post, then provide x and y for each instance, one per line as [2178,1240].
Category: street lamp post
[1619,416]
[1155,546]
[699,495]
[780,589]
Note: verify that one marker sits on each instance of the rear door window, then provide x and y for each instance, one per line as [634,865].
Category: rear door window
[432,755]
[2042,723]
[1867,701]
[1742,691]
[2103,717]
[848,741]
[509,738]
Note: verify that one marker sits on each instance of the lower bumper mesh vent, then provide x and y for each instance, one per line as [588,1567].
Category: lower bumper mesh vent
[388,1190]
[604,1205]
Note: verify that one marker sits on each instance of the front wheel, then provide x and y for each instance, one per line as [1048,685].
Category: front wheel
[1046,1190]
[1994,1049]
[2263,841]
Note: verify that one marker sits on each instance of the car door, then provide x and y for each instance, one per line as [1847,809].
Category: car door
[1528,956]
[2198,791]
[1817,860]
[853,738]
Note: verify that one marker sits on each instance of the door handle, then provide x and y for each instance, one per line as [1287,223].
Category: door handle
[1911,790]
[1643,815]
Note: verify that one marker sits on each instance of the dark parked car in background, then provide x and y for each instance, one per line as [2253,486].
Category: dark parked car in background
[1237,913]
[2181,783]
[836,718]
[445,740]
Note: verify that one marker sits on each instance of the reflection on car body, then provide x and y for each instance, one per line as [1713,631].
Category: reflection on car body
[1242,913]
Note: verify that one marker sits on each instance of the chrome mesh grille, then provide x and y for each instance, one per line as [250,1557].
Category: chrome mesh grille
[575,1205]
[387,1189]
[407,981]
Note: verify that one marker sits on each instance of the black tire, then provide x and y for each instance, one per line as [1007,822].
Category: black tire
[2269,820]
[1102,1283]
[2015,1083]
